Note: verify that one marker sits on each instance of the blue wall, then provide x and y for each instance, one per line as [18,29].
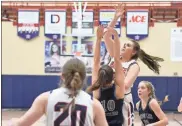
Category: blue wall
[19,91]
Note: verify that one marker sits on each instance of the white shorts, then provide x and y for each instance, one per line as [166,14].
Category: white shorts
[128,110]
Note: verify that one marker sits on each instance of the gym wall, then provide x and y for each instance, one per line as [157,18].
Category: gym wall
[23,76]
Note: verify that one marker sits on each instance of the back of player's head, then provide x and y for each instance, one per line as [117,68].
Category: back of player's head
[74,73]
[105,77]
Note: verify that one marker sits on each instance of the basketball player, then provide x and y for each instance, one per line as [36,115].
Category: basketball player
[130,52]
[67,105]
[109,94]
[180,106]
[149,110]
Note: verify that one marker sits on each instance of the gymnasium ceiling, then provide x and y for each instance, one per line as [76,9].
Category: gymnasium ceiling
[158,11]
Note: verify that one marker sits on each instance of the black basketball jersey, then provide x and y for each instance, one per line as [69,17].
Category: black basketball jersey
[112,106]
[147,115]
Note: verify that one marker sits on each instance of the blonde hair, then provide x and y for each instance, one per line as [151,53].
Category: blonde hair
[151,88]
[74,73]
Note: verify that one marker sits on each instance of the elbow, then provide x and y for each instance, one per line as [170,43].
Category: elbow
[166,122]
[180,108]
[126,87]
[16,122]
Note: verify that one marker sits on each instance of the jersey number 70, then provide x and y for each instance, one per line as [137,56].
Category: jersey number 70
[78,108]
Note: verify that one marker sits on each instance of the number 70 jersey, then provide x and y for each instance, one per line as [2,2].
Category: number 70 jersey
[81,116]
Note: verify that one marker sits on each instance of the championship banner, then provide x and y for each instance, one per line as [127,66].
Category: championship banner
[137,27]
[55,23]
[106,16]
[52,57]
[87,23]
[28,24]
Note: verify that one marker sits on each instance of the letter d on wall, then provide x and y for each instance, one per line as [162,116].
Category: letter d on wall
[55,18]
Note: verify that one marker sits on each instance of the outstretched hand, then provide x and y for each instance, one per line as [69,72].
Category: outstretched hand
[119,10]
[100,32]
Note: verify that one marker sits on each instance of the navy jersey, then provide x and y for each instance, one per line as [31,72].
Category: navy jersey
[147,115]
[112,106]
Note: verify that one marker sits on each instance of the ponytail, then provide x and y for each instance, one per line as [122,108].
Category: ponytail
[152,93]
[150,61]
[99,82]
[74,86]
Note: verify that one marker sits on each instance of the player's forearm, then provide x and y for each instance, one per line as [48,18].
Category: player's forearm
[113,22]
[163,122]
[109,43]
[97,51]
[116,47]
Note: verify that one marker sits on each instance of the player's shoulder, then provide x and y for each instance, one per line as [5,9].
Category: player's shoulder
[85,94]
[96,104]
[44,95]
[153,102]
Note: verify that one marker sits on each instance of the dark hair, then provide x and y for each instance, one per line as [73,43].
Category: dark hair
[150,61]
[57,51]
[105,76]
[74,73]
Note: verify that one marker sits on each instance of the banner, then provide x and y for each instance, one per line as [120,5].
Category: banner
[55,23]
[106,16]
[28,24]
[52,57]
[176,44]
[87,23]
[137,24]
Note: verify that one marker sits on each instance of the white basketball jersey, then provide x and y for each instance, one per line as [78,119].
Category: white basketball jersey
[81,116]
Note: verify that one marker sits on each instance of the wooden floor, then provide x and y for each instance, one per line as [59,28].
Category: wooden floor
[8,114]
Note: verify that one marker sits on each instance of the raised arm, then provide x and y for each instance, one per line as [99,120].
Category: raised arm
[96,62]
[107,36]
[119,12]
[119,75]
